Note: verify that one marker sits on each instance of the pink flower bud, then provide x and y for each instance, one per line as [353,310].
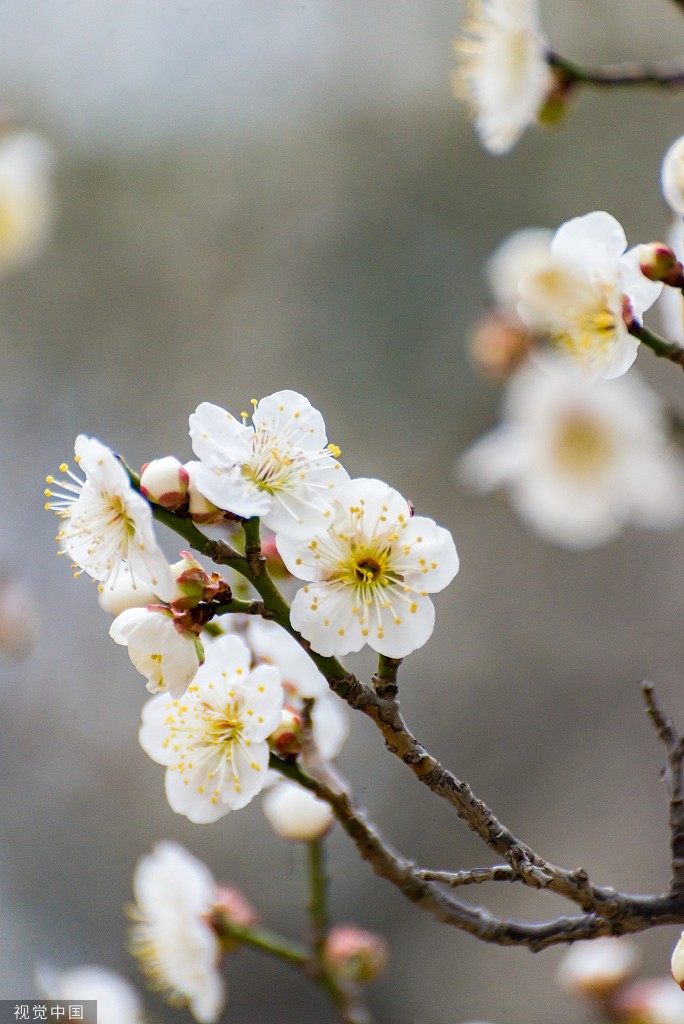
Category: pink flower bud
[499,344]
[354,954]
[193,583]
[165,482]
[598,968]
[286,740]
[658,262]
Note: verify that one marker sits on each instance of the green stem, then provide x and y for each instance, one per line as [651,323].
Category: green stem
[265,940]
[663,348]
[318,894]
[617,74]
[385,679]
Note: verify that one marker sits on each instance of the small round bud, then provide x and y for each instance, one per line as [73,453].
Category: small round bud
[354,954]
[295,814]
[658,262]
[200,509]
[672,177]
[499,344]
[677,962]
[193,583]
[231,907]
[598,968]
[165,482]
[654,1001]
[286,739]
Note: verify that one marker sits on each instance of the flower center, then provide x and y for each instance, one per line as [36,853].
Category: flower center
[366,568]
[121,514]
[269,467]
[582,445]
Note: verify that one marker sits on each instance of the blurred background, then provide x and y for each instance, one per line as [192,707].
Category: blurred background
[266,194]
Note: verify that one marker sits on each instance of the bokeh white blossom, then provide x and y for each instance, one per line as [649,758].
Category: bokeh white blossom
[176,947]
[502,71]
[580,462]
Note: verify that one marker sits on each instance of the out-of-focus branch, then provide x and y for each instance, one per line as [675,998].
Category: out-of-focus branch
[673,778]
[605,911]
[663,348]
[668,75]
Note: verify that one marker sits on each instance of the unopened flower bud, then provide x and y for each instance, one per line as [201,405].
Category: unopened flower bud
[200,509]
[354,954]
[499,344]
[598,968]
[286,739]
[677,962]
[193,583]
[672,177]
[165,482]
[231,907]
[658,262]
[654,1001]
[296,814]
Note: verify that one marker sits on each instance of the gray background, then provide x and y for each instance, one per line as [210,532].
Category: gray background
[266,194]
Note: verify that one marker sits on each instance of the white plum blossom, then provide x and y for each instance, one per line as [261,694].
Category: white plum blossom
[369,574]
[520,254]
[27,198]
[300,678]
[106,522]
[651,1001]
[280,467]
[580,462]
[214,741]
[296,814]
[502,70]
[672,177]
[581,299]
[176,947]
[165,655]
[117,1001]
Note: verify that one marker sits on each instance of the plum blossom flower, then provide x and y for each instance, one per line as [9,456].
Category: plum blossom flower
[651,1001]
[117,1001]
[27,198]
[369,574]
[300,678]
[106,523]
[176,947]
[578,462]
[214,741]
[280,467]
[502,69]
[581,299]
[165,654]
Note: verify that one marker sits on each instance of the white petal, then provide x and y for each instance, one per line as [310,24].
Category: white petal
[404,628]
[595,241]
[292,413]
[433,561]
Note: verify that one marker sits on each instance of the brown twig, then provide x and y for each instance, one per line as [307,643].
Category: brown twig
[672,777]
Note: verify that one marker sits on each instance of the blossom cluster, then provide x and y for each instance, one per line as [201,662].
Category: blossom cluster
[221,703]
